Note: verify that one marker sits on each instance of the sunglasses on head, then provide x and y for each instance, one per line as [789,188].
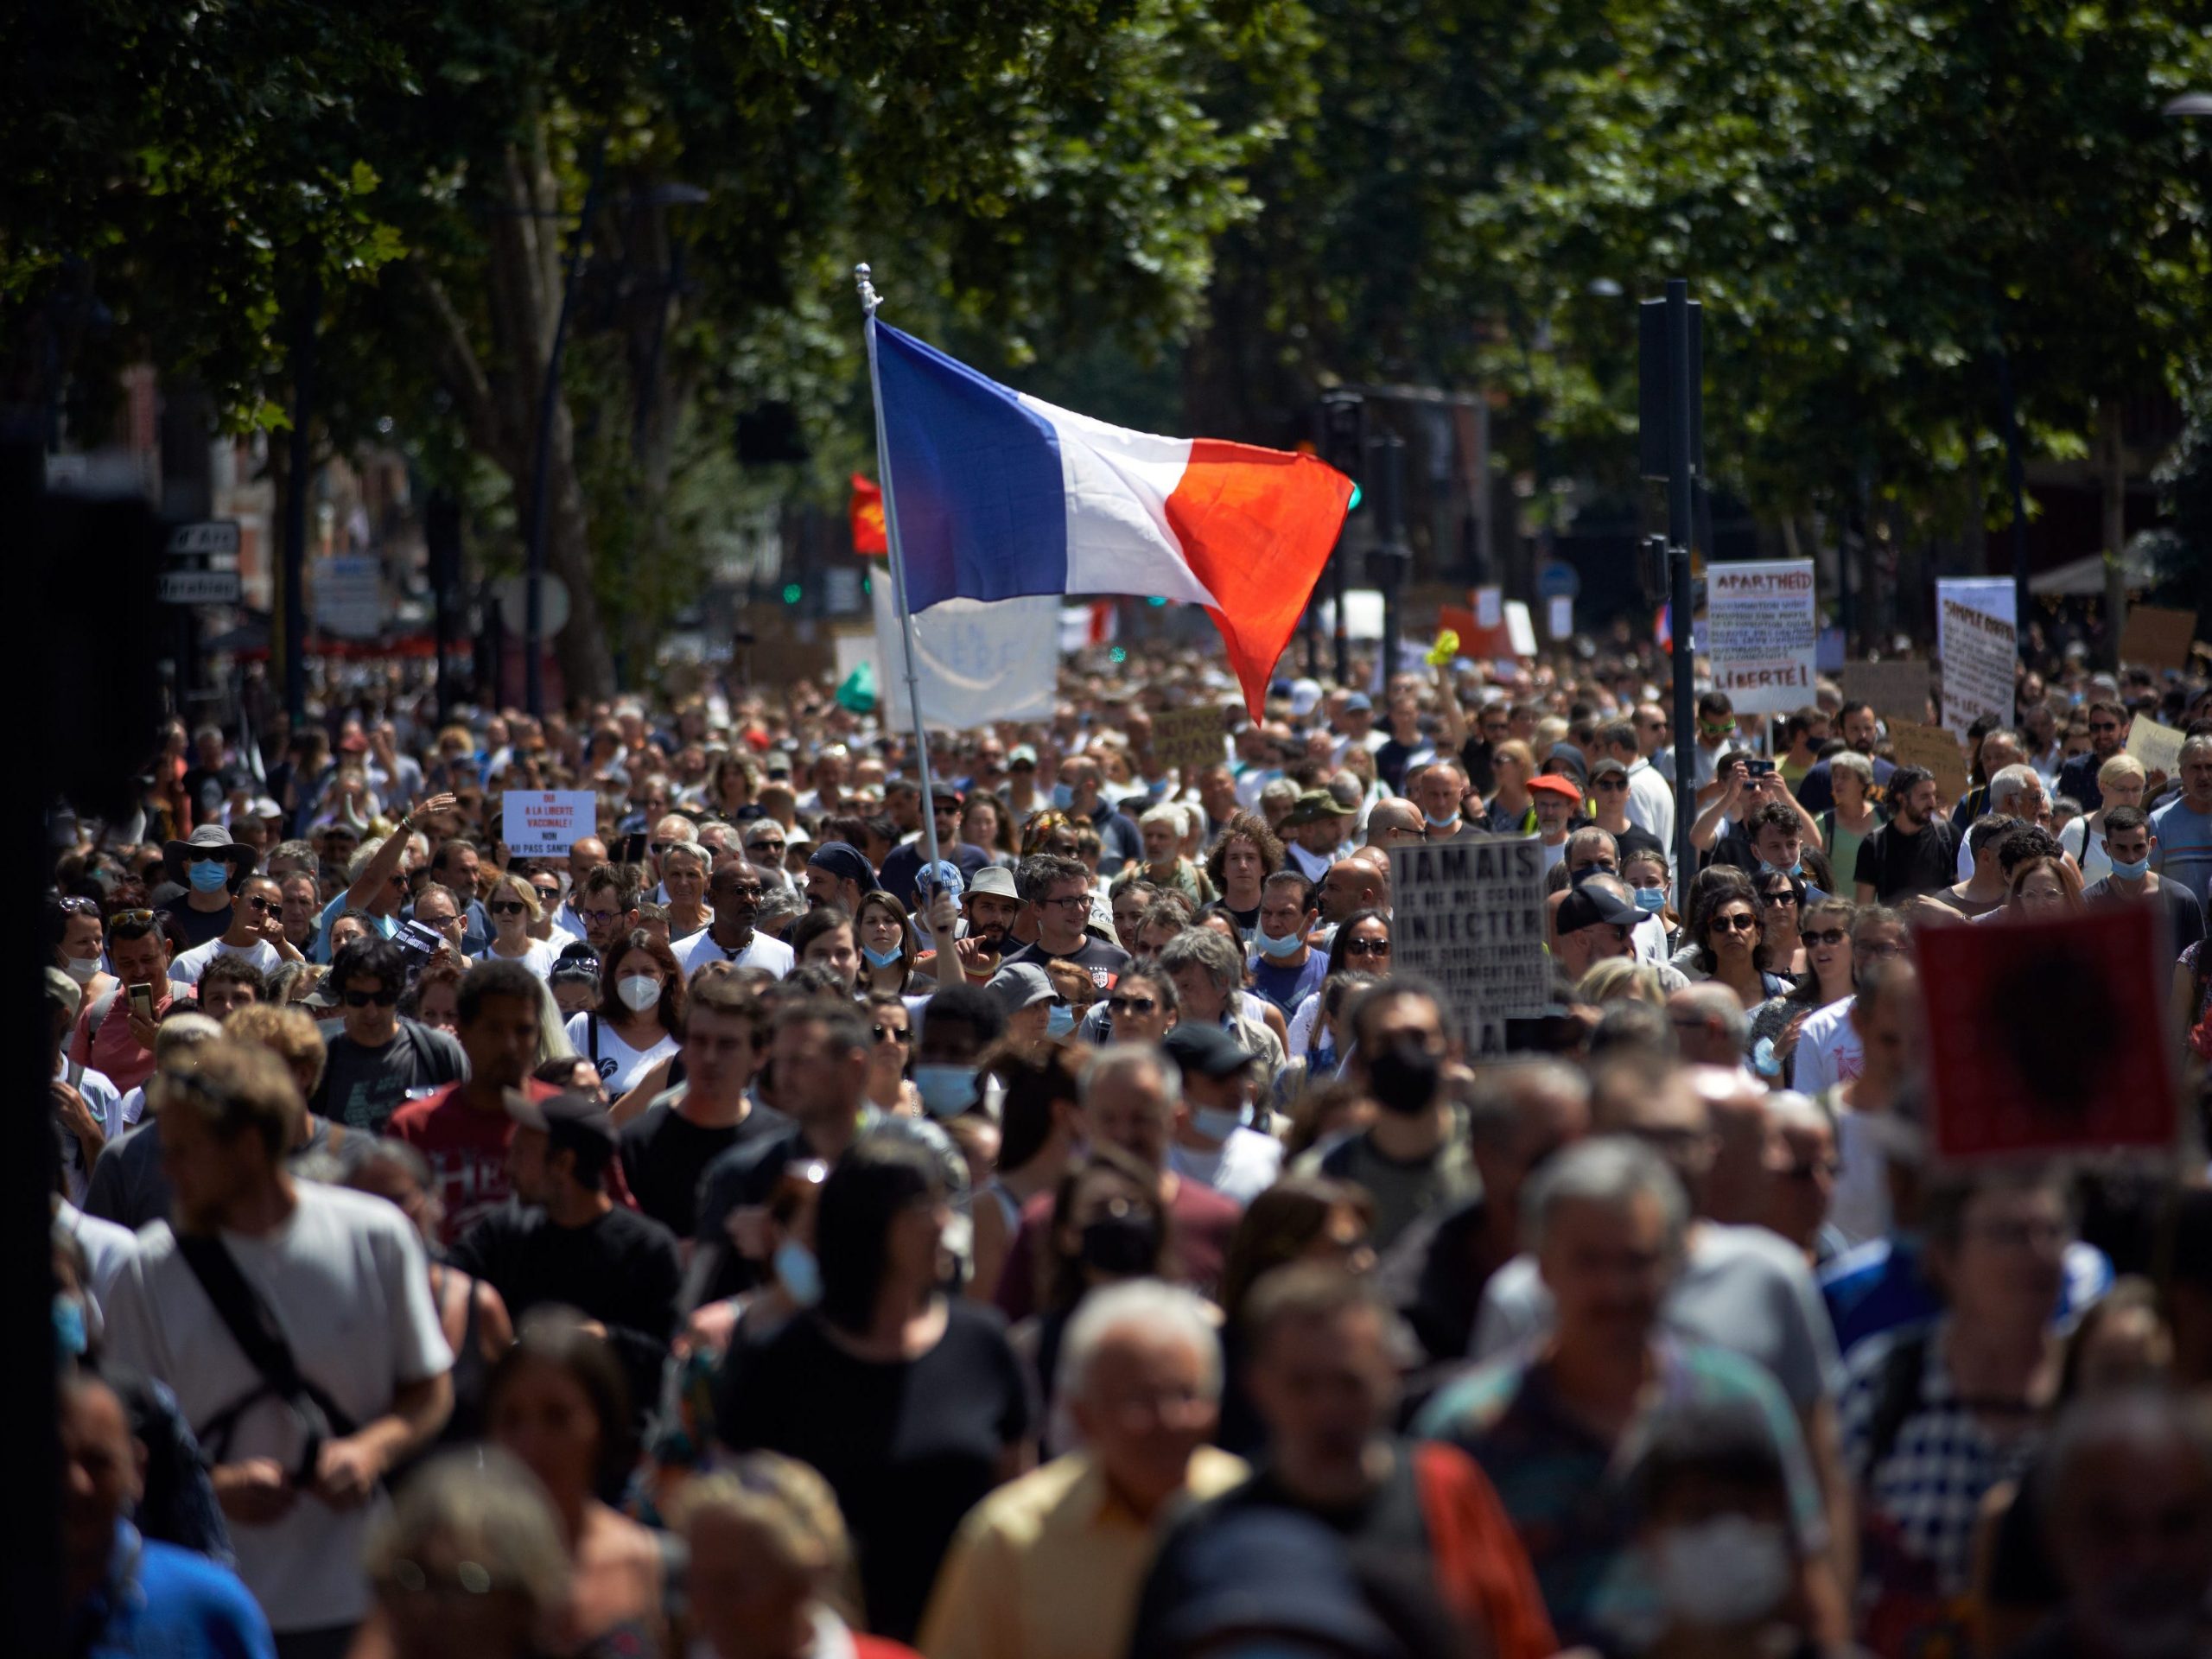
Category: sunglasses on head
[382,999]
[78,907]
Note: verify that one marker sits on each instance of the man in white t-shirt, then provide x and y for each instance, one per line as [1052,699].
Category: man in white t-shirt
[735,892]
[257,920]
[343,1276]
[1211,1145]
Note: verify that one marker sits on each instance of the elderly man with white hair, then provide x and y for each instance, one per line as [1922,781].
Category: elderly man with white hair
[2015,792]
[1049,1565]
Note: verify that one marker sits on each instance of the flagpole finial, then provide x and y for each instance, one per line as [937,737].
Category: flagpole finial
[861,275]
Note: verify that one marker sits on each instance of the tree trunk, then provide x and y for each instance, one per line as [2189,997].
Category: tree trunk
[2112,479]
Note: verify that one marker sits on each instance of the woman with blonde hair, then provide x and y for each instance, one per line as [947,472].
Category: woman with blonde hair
[1621,979]
[1511,809]
[514,909]
[771,1574]
[2124,783]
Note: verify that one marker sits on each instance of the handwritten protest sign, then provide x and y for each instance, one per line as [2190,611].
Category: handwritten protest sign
[1895,691]
[1188,739]
[1977,635]
[2004,1085]
[1469,916]
[2155,638]
[546,823]
[2158,748]
[1934,748]
[1764,633]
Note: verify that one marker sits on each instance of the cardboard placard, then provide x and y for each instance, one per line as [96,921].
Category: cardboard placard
[1934,748]
[1469,915]
[1189,739]
[1763,633]
[546,823]
[2158,748]
[1979,640]
[2004,1085]
[1895,691]
[2157,639]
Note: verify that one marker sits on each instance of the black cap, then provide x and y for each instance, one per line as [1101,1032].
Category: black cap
[1207,1049]
[1589,904]
[567,1120]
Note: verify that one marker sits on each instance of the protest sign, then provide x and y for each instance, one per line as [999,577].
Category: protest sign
[1763,633]
[1489,608]
[546,823]
[1559,617]
[2157,639]
[1895,691]
[1469,916]
[1188,739]
[1916,745]
[2158,748]
[977,660]
[1520,629]
[1978,642]
[2004,1084]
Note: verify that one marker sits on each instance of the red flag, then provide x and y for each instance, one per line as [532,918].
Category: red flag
[869,533]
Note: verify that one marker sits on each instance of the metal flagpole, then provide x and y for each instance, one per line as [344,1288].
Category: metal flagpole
[897,562]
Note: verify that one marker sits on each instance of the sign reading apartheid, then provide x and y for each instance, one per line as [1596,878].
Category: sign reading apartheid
[1764,633]
[1468,916]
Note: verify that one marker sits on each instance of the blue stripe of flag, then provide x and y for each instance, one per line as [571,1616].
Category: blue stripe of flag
[974,476]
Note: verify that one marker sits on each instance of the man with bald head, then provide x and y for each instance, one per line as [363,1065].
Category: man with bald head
[587,855]
[1710,1026]
[1359,881]
[1394,821]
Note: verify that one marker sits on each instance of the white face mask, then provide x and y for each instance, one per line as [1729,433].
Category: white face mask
[638,991]
[1728,1571]
[81,969]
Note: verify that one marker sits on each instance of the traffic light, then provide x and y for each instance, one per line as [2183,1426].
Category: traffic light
[1344,438]
[793,593]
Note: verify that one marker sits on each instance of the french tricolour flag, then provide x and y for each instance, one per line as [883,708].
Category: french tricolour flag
[998,494]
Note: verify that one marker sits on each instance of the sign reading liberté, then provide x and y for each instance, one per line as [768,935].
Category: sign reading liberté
[1763,632]
[1977,638]
[546,823]
[1469,916]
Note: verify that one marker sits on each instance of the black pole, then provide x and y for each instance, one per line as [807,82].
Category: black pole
[442,539]
[295,620]
[1681,376]
[2016,475]
[548,396]
[1391,555]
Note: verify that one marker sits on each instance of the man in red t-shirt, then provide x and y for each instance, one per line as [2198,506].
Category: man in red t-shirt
[1130,1096]
[463,1129]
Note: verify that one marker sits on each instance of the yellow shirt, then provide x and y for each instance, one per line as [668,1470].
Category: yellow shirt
[1050,1566]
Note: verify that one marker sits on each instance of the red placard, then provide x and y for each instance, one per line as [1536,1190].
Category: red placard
[2048,1037]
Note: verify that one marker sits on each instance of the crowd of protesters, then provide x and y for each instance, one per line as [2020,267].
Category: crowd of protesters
[739,1234]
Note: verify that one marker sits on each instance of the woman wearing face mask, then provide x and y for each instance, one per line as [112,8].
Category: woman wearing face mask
[911,1404]
[1827,976]
[640,1021]
[1717,1550]
[75,935]
[1645,872]
[1362,945]
[682,1438]
[892,1027]
[1108,1226]
[885,939]
[823,938]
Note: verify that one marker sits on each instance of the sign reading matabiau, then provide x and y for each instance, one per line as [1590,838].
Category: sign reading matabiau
[1764,633]
[1468,916]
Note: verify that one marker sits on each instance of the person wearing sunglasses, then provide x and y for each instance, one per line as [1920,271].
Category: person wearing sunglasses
[1730,931]
[256,932]
[516,907]
[1828,977]
[686,1128]
[891,1026]
[378,1059]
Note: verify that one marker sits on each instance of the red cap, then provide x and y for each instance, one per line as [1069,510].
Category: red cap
[1557,785]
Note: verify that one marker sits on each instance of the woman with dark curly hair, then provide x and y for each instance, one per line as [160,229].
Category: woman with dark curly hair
[1730,938]
[1245,856]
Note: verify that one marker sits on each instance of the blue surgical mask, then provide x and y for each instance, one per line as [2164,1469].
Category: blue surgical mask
[880,958]
[1651,901]
[1279,949]
[2134,872]
[1797,868]
[1063,796]
[1060,1021]
[1446,823]
[1216,1122]
[209,878]
[69,1326]
[1322,1062]
[799,1273]
[946,1091]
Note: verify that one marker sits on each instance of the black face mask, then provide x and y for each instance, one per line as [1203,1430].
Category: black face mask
[1403,1077]
[1124,1246]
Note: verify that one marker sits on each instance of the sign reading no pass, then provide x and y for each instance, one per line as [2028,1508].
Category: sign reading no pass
[546,823]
